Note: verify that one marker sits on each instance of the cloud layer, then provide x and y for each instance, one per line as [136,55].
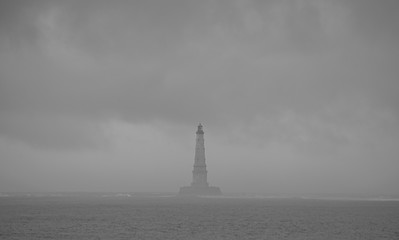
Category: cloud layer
[319,77]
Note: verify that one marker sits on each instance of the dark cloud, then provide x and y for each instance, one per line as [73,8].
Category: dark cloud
[181,62]
[376,21]
[55,132]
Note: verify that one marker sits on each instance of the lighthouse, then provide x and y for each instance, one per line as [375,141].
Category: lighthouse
[199,184]
[199,171]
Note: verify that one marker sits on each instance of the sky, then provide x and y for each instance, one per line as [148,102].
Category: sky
[296,97]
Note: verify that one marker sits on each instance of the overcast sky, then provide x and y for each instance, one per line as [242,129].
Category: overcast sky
[296,97]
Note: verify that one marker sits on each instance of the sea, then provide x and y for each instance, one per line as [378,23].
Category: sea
[166,216]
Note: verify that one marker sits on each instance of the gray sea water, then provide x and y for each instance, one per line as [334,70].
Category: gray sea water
[167,217]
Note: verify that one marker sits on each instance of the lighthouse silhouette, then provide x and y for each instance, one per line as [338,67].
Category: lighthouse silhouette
[199,185]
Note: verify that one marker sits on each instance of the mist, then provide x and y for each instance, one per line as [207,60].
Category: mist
[296,97]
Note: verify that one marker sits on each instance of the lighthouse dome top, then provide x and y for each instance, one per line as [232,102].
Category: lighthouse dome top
[199,130]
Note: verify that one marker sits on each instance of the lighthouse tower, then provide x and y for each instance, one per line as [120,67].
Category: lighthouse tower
[199,171]
[199,185]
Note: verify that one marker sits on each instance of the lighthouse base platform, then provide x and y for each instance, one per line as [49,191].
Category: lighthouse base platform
[200,191]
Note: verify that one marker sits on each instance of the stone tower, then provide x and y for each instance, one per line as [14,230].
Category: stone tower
[199,171]
[199,185]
